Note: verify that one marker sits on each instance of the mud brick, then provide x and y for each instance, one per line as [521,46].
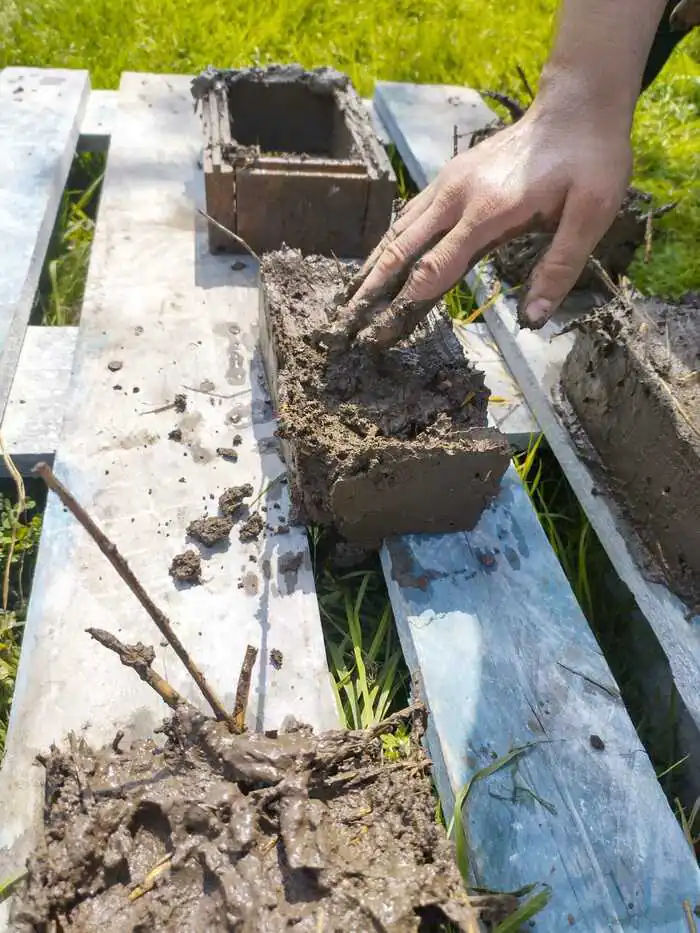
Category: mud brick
[375,445]
[632,379]
[291,158]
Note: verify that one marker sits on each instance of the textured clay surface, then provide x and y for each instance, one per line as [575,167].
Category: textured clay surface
[247,833]
[633,380]
[376,444]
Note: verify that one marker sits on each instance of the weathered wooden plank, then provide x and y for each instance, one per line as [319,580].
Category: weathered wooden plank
[535,359]
[506,658]
[39,395]
[507,408]
[100,116]
[40,115]
[507,661]
[172,315]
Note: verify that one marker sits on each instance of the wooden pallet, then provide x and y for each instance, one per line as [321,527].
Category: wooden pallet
[488,622]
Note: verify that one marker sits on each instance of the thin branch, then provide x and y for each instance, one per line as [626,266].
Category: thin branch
[243,688]
[139,658]
[234,236]
[120,565]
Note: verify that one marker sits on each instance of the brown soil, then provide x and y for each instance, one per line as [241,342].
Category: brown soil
[232,500]
[187,567]
[210,529]
[633,380]
[251,833]
[376,444]
[252,528]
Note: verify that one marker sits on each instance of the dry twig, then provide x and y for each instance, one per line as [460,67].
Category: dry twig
[140,659]
[243,688]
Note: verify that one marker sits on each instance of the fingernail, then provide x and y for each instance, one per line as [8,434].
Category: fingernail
[537,311]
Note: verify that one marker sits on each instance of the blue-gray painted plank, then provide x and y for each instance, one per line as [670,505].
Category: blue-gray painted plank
[506,660]
[40,115]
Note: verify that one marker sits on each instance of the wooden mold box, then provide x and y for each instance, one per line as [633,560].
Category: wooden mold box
[291,158]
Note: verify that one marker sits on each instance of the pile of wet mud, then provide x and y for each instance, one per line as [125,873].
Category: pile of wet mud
[222,832]
[377,443]
[633,382]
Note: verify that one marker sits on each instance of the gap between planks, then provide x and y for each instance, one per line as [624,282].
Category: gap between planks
[507,659]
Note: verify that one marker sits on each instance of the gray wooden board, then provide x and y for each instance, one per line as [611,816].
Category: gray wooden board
[37,403]
[40,115]
[506,660]
[175,316]
[490,640]
[536,358]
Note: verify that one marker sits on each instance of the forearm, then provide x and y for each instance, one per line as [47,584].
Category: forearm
[600,53]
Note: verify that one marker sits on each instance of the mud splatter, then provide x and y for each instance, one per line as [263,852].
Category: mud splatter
[252,832]
[252,528]
[210,529]
[232,500]
[186,567]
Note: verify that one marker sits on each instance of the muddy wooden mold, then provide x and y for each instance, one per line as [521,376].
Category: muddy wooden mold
[291,158]
[375,445]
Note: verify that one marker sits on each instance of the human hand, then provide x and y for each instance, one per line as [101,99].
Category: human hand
[562,168]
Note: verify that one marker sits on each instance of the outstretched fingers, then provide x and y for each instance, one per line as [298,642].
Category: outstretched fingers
[434,274]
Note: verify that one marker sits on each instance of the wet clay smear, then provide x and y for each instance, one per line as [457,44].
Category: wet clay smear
[633,380]
[376,444]
[248,833]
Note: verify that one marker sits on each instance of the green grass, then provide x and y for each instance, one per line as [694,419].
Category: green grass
[60,295]
[26,539]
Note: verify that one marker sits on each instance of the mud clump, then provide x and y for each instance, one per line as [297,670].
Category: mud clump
[258,833]
[232,500]
[252,528]
[375,444]
[632,379]
[186,567]
[515,261]
[210,529]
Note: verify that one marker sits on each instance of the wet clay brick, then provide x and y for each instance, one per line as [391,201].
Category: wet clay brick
[632,379]
[376,445]
[291,158]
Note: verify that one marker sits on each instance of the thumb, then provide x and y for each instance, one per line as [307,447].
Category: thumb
[584,221]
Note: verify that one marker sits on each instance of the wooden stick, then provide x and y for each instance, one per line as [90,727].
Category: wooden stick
[243,688]
[120,565]
[234,236]
[140,658]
